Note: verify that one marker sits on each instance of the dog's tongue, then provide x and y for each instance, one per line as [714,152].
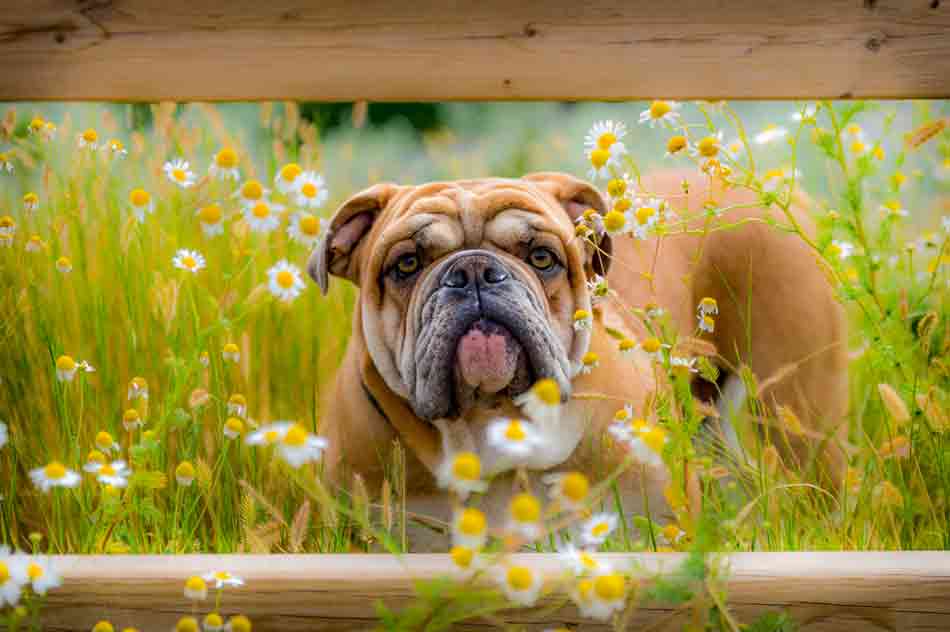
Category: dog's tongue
[487,356]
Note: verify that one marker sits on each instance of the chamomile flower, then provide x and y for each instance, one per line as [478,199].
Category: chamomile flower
[42,575]
[131,419]
[178,172]
[251,193]
[305,229]
[89,139]
[231,353]
[660,112]
[705,323]
[222,579]
[609,590]
[205,359]
[569,489]
[210,217]
[583,320]
[189,260]
[105,443]
[94,461]
[894,209]
[598,288]
[627,347]
[54,475]
[233,428]
[603,147]
[644,214]
[36,125]
[514,438]
[707,305]
[4,437]
[138,388]
[840,249]
[653,348]
[224,165]
[115,148]
[647,447]
[12,577]
[35,244]
[239,623]
[196,589]
[186,624]
[263,216]
[285,281]
[542,402]
[596,529]
[524,515]
[615,223]
[578,561]
[64,265]
[213,622]
[115,474]
[49,130]
[589,362]
[770,134]
[287,178]
[461,473]
[681,365]
[237,405]
[521,584]
[592,221]
[469,528]
[7,226]
[625,428]
[6,162]
[31,201]
[675,145]
[619,188]
[141,203]
[66,368]
[672,534]
[708,146]
[185,475]
[311,190]
[298,446]
[464,558]
[270,434]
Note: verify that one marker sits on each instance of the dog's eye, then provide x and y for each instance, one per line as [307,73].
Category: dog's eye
[542,259]
[406,265]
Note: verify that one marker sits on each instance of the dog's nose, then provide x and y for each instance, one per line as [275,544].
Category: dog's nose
[480,269]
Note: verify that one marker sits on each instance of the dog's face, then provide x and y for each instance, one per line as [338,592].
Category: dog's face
[467,289]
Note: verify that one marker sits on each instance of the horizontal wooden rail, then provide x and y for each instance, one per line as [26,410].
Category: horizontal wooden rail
[823,591]
[493,49]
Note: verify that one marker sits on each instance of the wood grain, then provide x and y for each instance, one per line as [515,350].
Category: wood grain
[494,49]
[823,591]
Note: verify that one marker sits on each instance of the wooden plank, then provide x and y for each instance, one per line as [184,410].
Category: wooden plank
[494,49]
[823,591]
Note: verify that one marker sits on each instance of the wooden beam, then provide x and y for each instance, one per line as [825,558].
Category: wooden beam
[494,49]
[823,591]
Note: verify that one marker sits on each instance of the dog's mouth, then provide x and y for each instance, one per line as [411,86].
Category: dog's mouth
[490,363]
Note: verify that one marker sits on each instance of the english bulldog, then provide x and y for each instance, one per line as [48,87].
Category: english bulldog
[467,296]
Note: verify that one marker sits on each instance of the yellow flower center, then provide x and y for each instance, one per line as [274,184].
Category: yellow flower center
[834,250]
[179,174]
[131,415]
[600,529]
[296,436]
[584,589]
[186,470]
[226,158]
[655,438]
[189,262]
[858,147]
[462,556]
[708,147]
[37,124]
[196,584]
[581,314]
[651,345]
[104,440]
[525,508]
[519,577]
[107,470]
[230,348]
[627,344]
[271,436]
[587,561]
[309,189]
[638,424]
[222,575]
[590,358]
[210,214]
[234,425]
[622,205]
[659,109]
[675,144]
[63,263]
[116,145]
[65,363]
[90,135]
[214,620]
[285,279]
[617,187]
[547,392]
[575,486]
[261,210]
[55,471]
[599,158]
[139,197]
[187,624]
[472,522]
[609,587]
[644,213]
[467,466]
[290,171]
[96,457]
[30,199]
[252,190]
[4,574]
[309,225]
[620,415]
[605,140]
[237,399]
[240,623]
[671,532]
[614,221]
[515,431]
[6,222]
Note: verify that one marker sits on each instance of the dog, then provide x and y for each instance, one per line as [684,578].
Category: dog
[467,295]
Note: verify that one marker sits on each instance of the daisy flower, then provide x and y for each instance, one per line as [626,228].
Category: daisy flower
[679,364]
[54,475]
[672,534]
[619,188]
[583,320]
[625,428]
[514,437]
[521,584]
[233,428]
[94,461]
[524,516]
[643,215]
[141,202]
[7,226]
[185,476]
[115,474]
[595,530]
[251,192]
[660,112]
[4,437]
[138,389]
[607,596]
[49,130]
[542,402]
[31,201]
[6,162]
[36,125]
[707,305]
[603,147]
[298,446]
[577,560]
[35,244]
[770,134]
[64,265]
[210,219]
[105,443]
[592,220]
[231,353]
[286,180]
[461,472]
[270,434]
[588,363]
[221,579]
[705,323]
[115,148]
[311,191]
[239,623]
[568,489]
[42,575]
[212,622]
[653,348]
[89,139]
[224,165]
[615,223]
[469,528]
[464,558]
[305,229]
[647,446]
[263,216]
[627,346]
[285,281]
[237,405]
[893,208]
[196,589]
[190,260]
[840,249]
[185,624]
[12,577]
[707,147]
[598,288]
[178,172]
[66,368]
[675,145]
[131,419]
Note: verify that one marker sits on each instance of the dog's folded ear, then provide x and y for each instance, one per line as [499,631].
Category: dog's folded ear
[335,253]
[576,196]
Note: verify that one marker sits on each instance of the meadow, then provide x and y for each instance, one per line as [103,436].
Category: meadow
[163,355]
